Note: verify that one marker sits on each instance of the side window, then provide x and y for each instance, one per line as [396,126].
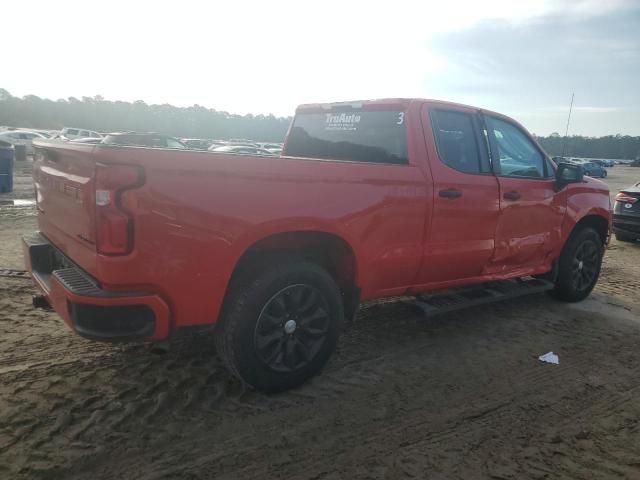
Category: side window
[456,140]
[72,131]
[516,154]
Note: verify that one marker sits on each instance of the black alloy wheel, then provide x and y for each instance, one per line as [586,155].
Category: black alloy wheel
[280,322]
[585,265]
[579,265]
[292,328]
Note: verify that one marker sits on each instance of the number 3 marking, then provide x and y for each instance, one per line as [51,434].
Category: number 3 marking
[400,118]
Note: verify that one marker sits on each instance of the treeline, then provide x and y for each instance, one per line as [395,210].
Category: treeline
[611,146]
[102,115]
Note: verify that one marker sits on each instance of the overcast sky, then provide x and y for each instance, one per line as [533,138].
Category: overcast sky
[523,58]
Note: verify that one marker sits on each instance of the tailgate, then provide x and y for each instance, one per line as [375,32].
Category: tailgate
[64,181]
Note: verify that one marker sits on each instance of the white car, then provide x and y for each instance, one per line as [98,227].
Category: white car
[71,133]
[241,149]
[21,137]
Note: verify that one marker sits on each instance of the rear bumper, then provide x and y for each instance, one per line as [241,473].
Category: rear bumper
[626,225]
[84,306]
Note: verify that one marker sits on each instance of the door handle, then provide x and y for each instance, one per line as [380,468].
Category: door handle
[512,195]
[450,193]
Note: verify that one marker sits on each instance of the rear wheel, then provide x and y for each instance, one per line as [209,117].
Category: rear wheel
[604,174]
[280,325]
[579,266]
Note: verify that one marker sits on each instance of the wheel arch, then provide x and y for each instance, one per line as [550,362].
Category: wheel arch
[326,249]
[596,221]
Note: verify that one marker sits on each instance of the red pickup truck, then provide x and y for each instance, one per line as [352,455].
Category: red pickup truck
[369,199]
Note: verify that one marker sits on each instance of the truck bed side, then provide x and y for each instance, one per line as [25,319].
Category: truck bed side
[197,213]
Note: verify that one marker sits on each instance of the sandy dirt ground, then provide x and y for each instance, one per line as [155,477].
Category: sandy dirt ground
[461,396]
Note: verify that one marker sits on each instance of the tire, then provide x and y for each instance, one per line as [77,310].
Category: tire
[621,237]
[604,174]
[280,324]
[587,173]
[578,266]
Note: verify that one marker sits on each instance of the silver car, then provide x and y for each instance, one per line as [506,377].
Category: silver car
[21,137]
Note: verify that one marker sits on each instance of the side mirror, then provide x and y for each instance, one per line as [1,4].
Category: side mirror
[569,173]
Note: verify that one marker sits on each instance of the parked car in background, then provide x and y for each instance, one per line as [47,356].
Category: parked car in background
[270,146]
[602,163]
[86,140]
[242,149]
[626,214]
[196,143]
[45,133]
[21,137]
[594,169]
[71,133]
[138,139]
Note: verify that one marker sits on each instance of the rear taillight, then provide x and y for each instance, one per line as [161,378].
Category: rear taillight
[625,198]
[114,224]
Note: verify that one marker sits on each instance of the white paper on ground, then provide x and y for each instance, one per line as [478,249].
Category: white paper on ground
[550,357]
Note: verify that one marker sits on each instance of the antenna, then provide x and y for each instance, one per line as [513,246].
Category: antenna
[566,132]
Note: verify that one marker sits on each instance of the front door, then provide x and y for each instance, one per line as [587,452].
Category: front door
[459,242]
[531,211]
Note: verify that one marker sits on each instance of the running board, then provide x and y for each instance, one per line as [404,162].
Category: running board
[452,300]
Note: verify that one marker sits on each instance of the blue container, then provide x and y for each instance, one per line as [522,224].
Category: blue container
[7,157]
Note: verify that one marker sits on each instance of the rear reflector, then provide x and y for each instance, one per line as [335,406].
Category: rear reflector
[114,224]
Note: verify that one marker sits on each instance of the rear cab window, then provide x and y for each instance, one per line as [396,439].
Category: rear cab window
[372,136]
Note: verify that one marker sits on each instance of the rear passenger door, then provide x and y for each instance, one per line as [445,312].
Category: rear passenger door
[531,211]
[460,239]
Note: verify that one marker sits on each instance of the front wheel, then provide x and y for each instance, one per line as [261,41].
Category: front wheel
[579,266]
[280,325]
[604,174]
